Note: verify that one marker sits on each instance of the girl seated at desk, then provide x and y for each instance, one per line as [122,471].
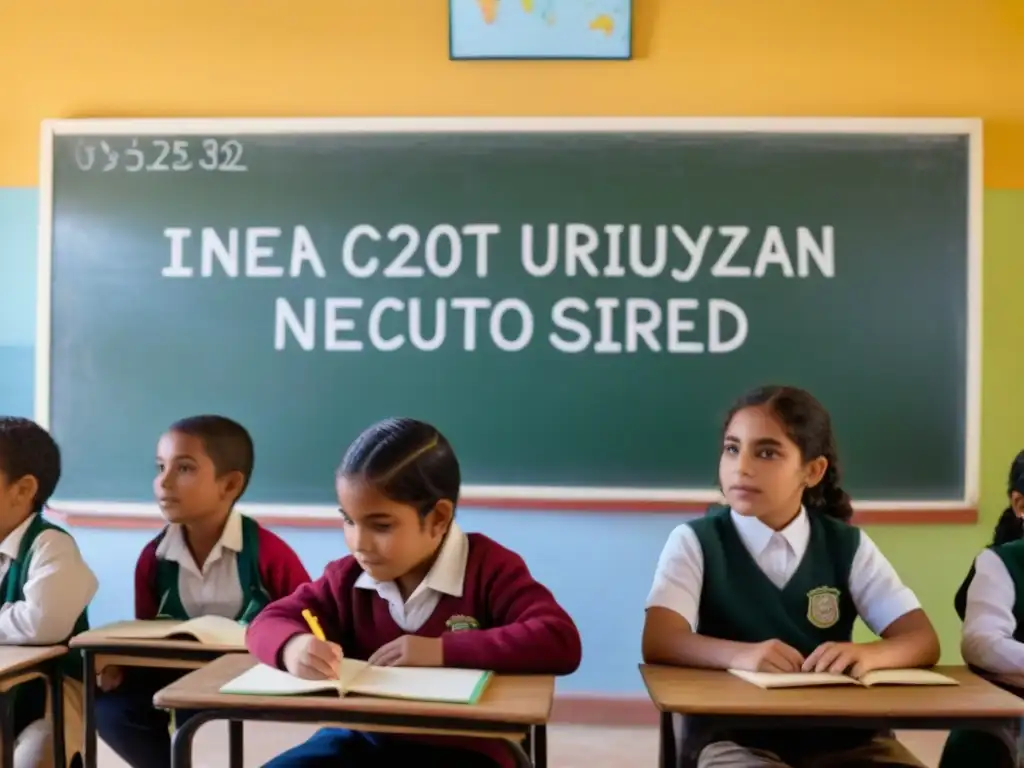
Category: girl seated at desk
[774,583]
[990,603]
[415,591]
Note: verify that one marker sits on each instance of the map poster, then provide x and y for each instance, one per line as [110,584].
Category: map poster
[540,29]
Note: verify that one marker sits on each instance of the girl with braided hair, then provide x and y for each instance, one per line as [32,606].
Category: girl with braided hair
[774,582]
[416,591]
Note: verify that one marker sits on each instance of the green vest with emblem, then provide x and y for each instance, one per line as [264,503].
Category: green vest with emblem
[33,693]
[254,595]
[739,602]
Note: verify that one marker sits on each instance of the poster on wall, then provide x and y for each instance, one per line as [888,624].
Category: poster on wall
[540,29]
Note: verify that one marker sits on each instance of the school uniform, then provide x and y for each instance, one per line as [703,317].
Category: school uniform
[46,588]
[990,602]
[732,577]
[478,596]
[247,568]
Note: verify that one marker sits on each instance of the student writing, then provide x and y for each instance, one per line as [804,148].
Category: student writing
[990,602]
[775,581]
[209,560]
[45,583]
[415,591]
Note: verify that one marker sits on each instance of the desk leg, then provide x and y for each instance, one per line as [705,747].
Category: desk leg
[518,754]
[7,728]
[540,746]
[668,758]
[1016,730]
[57,713]
[89,745]
[236,743]
[181,739]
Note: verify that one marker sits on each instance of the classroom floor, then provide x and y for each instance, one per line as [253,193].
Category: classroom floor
[569,746]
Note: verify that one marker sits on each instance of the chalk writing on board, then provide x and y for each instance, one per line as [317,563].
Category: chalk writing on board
[590,319]
[160,155]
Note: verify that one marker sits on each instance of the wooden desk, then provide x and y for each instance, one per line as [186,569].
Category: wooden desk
[20,664]
[510,709]
[975,703]
[100,650]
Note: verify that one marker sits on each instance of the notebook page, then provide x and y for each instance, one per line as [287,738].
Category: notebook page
[907,677]
[214,630]
[791,679]
[349,671]
[419,683]
[262,680]
[139,630]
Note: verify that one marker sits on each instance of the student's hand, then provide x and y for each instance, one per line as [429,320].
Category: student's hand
[769,656]
[306,657]
[410,651]
[838,658]
[110,677]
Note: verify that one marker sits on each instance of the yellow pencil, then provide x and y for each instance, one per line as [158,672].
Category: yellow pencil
[314,625]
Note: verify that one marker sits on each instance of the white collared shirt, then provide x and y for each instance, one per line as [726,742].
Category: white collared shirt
[989,623]
[215,589]
[876,589]
[446,576]
[58,587]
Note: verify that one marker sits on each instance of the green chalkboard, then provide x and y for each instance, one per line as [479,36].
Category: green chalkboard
[290,275]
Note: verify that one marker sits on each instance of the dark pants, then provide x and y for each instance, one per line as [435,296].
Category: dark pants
[127,721]
[965,749]
[342,748]
[29,704]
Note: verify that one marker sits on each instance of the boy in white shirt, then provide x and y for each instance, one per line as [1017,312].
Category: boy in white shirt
[45,586]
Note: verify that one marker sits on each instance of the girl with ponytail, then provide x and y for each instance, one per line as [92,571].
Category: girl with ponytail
[990,604]
[774,582]
[1009,528]
[807,426]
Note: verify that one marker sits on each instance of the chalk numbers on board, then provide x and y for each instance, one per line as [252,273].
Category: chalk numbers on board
[160,155]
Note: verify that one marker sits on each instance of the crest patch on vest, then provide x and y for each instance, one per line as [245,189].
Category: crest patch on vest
[823,607]
[459,623]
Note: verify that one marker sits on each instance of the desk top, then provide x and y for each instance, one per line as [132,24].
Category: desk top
[17,658]
[714,692]
[99,639]
[524,699]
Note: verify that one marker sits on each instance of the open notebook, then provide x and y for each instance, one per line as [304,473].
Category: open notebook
[878,677]
[209,630]
[454,686]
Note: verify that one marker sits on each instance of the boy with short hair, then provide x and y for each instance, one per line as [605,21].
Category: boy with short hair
[45,583]
[209,560]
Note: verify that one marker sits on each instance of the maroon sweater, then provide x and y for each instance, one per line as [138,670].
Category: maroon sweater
[522,629]
[280,569]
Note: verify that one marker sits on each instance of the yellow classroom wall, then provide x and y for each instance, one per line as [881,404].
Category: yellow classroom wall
[354,57]
[60,58]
